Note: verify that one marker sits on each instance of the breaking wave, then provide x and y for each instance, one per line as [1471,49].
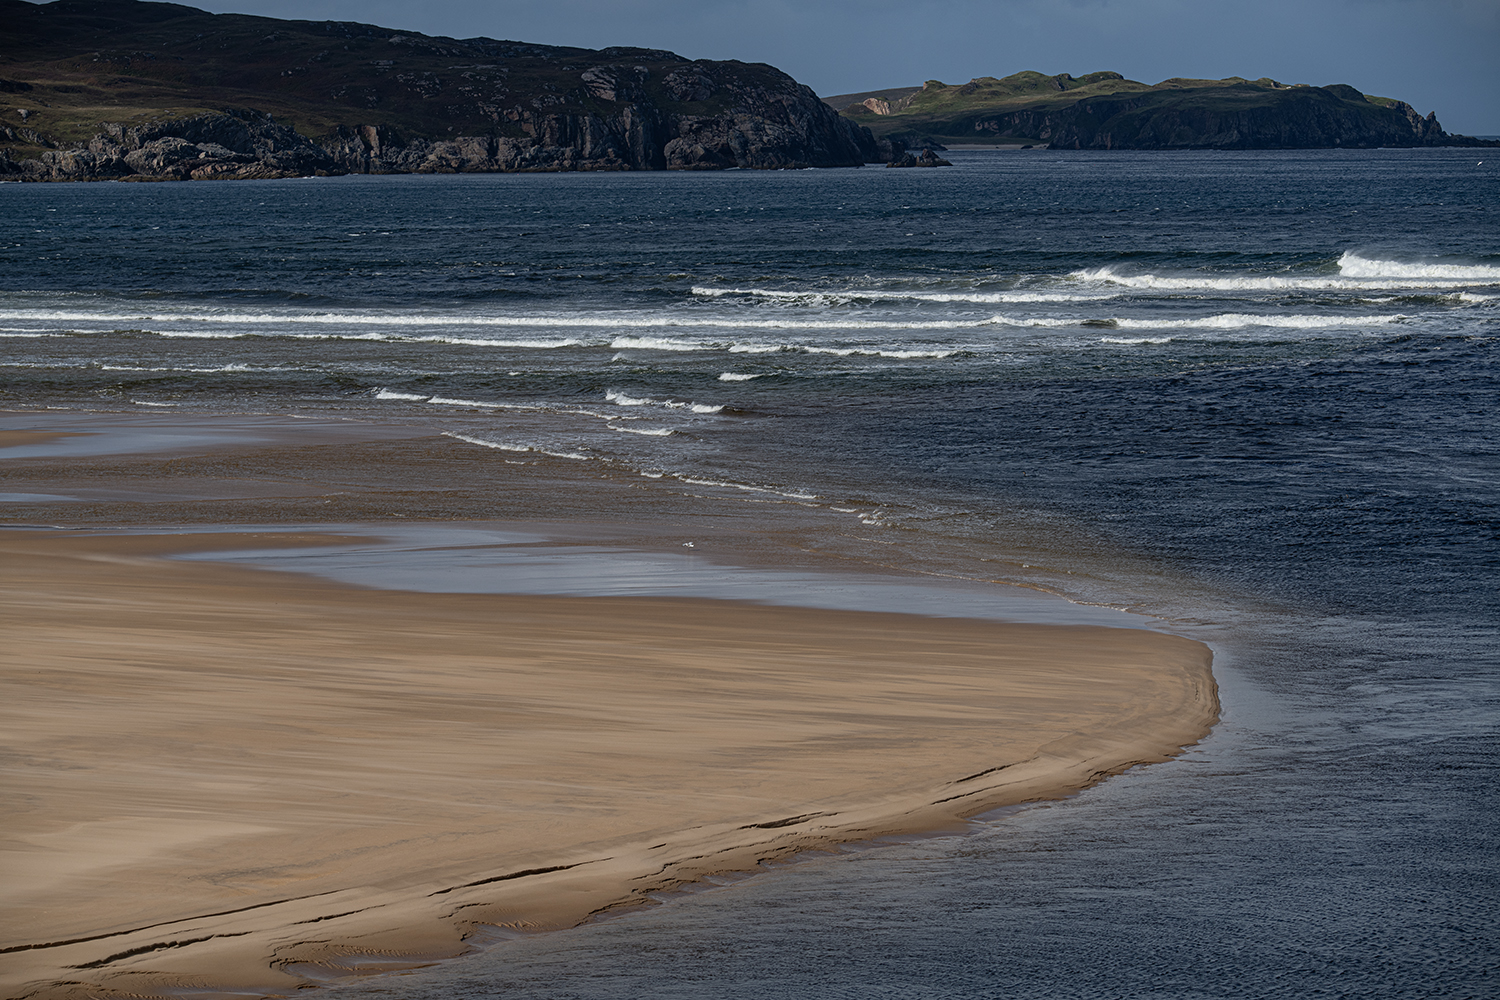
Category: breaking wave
[1354,266]
[1356,273]
[621,399]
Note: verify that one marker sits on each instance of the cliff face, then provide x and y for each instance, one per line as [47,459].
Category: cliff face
[182,82]
[1107,111]
[1301,118]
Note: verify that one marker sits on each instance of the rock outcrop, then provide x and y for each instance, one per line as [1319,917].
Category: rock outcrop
[927,159]
[233,145]
[428,105]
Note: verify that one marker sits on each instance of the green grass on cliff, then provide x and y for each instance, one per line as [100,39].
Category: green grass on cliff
[958,113]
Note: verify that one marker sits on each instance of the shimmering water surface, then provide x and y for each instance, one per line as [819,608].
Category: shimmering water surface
[1251,393]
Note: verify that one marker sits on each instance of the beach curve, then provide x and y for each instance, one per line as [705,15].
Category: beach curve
[230,780]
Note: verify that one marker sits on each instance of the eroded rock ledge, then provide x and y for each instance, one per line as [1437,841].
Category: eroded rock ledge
[240,144]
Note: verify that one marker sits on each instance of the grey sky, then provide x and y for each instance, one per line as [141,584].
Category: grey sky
[1440,55]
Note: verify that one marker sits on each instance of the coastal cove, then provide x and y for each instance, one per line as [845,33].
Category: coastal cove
[1242,398]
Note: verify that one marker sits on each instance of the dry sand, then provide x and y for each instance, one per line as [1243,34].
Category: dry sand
[226,779]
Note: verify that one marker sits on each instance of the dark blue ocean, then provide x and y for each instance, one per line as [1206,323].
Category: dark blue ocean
[1253,394]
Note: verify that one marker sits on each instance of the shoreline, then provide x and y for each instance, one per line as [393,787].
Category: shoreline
[865,742]
[234,778]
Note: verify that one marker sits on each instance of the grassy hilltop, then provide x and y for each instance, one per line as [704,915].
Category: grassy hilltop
[1104,110]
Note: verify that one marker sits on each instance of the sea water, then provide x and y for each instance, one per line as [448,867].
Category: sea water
[1252,394]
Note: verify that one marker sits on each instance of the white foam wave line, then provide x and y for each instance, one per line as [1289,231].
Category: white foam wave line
[384,338]
[557,408]
[196,371]
[1135,340]
[1237,321]
[873,352]
[1355,274]
[870,295]
[358,319]
[200,334]
[472,403]
[142,402]
[742,486]
[527,407]
[736,377]
[668,344]
[1155,282]
[507,446]
[656,320]
[741,322]
[1446,296]
[595,413]
[652,432]
[1218,321]
[845,352]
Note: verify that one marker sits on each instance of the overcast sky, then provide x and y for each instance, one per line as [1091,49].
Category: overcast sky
[1439,55]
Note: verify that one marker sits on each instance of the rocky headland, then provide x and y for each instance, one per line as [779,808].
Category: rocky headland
[120,89]
[1106,111]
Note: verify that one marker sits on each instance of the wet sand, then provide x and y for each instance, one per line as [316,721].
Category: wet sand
[226,779]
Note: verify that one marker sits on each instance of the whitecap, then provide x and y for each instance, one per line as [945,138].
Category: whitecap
[620,399]
[390,394]
[736,377]
[657,344]
[1355,266]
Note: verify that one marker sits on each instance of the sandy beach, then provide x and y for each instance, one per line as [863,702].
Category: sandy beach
[226,780]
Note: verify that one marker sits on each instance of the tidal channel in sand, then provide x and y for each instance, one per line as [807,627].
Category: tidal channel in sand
[224,778]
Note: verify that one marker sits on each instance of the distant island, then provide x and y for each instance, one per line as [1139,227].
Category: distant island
[127,90]
[1106,111]
[120,89]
